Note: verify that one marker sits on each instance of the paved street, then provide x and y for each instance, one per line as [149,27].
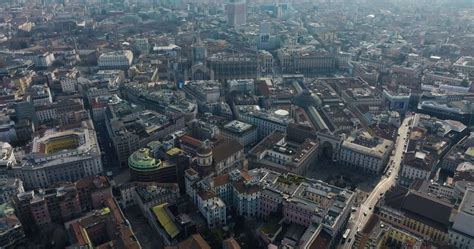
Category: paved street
[359,219]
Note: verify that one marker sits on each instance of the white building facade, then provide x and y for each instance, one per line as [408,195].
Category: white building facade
[418,168]
[267,122]
[212,208]
[461,234]
[116,60]
[66,160]
[366,153]
[244,133]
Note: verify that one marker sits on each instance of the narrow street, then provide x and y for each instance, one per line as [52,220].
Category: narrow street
[359,218]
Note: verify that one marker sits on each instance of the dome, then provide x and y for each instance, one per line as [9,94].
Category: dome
[282,113]
[204,150]
[204,154]
[306,98]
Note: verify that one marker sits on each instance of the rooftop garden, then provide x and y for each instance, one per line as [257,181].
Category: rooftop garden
[290,179]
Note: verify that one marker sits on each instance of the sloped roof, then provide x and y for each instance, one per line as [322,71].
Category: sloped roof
[195,241]
[420,206]
[165,220]
[427,207]
[225,149]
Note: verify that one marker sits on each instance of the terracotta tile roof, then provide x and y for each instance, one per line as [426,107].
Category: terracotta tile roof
[322,241]
[268,142]
[225,149]
[221,180]
[125,232]
[245,175]
[195,241]
[230,243]
[190,141]
[96,104]
[248,189]
[92,182]
[78,234]
[206,195]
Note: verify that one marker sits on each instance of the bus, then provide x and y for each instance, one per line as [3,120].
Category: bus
[387,168]
[346,234]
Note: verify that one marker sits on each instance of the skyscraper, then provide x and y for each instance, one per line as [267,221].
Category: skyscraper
[236,12]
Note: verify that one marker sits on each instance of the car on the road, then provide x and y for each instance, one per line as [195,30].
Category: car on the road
[370,208]
[353,209]
[345,235]
[365,214]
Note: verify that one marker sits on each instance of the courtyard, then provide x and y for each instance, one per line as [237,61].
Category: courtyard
[344,177]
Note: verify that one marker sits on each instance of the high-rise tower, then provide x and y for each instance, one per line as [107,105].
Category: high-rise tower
[236,12]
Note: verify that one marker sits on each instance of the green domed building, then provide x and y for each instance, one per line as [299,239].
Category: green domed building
[145,167]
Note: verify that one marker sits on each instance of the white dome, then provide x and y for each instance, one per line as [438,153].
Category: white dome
[282,113]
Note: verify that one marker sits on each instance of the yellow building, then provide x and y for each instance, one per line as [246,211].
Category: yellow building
[67,142]
[380,234]
[399,236]
[23,82]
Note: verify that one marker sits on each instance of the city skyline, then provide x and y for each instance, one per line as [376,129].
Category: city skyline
[329,124]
